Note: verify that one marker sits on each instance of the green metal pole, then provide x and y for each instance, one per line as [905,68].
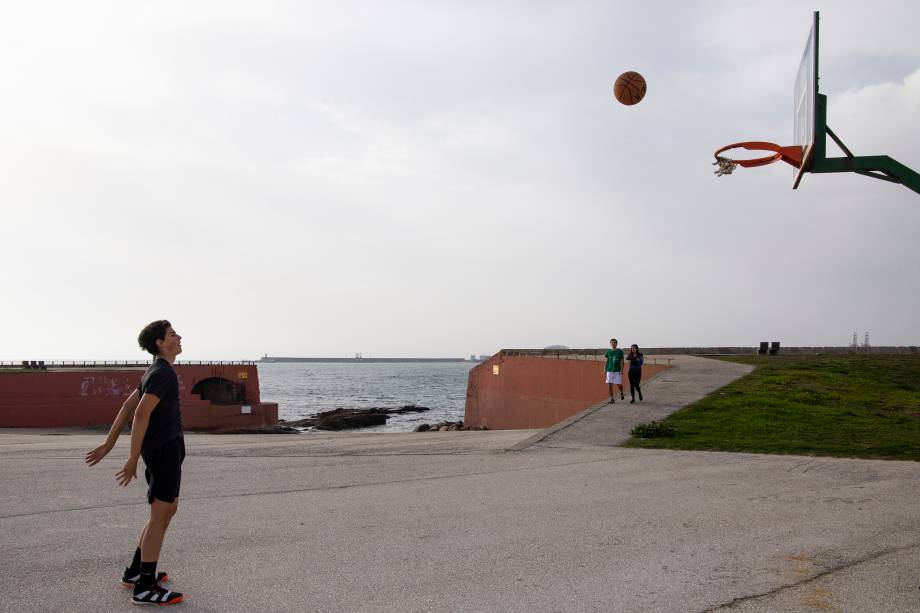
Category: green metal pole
[820,153]
[868,163]
[874,163]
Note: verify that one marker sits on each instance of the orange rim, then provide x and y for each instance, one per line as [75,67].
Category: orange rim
[791,155]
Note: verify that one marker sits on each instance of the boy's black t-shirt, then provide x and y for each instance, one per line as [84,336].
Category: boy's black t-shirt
[166,418]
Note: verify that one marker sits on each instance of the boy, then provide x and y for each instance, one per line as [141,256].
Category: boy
[613,369]
[156,435]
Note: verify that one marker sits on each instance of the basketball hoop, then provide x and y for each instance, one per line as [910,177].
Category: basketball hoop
[791,155]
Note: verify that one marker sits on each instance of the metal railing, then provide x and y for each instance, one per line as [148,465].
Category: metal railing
[43,365]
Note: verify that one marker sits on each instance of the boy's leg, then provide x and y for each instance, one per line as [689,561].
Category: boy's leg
[164,477]
[143,532]
[135,565]
[161,513]
[164,474]
[133,572]
[147,590]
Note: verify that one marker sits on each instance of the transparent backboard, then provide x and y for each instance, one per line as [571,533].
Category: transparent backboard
[805,102]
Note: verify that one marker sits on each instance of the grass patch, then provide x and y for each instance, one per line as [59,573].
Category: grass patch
[652,429]
[845,406]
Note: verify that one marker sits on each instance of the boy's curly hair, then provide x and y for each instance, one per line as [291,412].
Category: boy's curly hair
[152,332]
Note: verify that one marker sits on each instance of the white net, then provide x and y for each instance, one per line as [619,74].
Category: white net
[725,166]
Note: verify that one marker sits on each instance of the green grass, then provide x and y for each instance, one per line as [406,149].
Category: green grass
[844,406]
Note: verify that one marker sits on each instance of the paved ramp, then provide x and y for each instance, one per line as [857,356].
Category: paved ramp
[689,379]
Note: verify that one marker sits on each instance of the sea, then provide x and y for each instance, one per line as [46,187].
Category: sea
[302,389]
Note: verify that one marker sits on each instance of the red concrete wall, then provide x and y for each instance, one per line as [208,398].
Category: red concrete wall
[532,392]
[92,397]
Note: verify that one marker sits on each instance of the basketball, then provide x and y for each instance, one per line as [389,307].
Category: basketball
[629,88]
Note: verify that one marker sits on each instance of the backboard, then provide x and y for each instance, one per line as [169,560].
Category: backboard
[805,102]
[808,153]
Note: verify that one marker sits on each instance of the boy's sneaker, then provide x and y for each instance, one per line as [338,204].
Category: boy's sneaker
[155,595]
[612,400]
[131,577]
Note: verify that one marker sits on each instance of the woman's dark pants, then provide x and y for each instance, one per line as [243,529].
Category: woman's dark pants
[635,375]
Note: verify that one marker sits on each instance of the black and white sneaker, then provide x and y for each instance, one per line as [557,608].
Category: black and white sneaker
[155,595]
[131,577]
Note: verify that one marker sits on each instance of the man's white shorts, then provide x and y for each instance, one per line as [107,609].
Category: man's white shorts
[615,378]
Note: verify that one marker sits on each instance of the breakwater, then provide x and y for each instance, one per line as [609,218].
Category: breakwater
[272,359]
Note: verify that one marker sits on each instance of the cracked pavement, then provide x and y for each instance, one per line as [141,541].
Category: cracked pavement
[454,521]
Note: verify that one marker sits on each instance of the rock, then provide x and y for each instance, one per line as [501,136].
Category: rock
[345,419]
[409,408]
[308,422]
[444,426]
[423,428]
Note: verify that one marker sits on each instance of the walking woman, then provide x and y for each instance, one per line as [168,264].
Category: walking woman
[636,360]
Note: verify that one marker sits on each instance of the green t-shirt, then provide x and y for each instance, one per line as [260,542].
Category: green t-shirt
[614,360]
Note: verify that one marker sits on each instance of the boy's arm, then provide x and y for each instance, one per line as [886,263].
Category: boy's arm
[145,407]
[121,420]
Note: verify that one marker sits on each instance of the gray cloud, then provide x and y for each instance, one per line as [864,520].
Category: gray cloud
[443,178]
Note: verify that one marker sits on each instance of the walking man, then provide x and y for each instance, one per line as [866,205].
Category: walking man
[156,436]
[613,369]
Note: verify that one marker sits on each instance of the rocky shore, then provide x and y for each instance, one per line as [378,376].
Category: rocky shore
[349,419]
[346,419]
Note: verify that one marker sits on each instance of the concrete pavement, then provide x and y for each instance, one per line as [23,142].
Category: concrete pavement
[454,522]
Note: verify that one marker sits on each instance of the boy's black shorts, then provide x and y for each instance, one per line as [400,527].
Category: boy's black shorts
[164,470]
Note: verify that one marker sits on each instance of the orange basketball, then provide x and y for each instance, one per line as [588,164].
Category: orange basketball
[629,88]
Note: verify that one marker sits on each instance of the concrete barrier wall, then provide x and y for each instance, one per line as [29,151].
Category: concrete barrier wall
[76,398]
[721,351]
[511,391]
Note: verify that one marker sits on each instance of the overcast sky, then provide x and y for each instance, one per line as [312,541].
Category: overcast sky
[445,178]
